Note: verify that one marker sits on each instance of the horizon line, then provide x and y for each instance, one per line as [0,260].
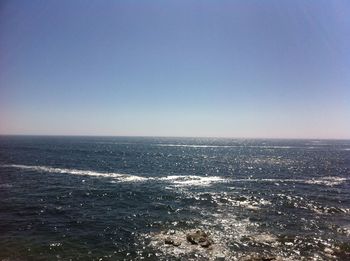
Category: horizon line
[169,136]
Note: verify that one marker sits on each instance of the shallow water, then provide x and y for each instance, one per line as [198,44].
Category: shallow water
[115,198]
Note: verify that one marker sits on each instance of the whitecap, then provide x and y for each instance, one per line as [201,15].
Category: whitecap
[224,146]
[193,180]
[327,181]
[115,176]
[194,146]
[175,180]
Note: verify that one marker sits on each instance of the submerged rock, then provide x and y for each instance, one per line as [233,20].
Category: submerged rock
[205,244]
[199,238]
[170,241]
[176,245]
[195,238]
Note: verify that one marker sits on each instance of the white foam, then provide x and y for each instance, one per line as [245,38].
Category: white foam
[194,146]
[224,146]
[115,176]
[193,180]
[175,180]
[267,180]
[327,181]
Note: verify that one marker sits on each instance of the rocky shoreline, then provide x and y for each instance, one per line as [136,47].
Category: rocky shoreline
[197,244]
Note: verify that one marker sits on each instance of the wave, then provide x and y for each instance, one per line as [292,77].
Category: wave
[193,180]
[116,176]
[179,180]
[195,146]
[328,181]
[225,146]
[176,180]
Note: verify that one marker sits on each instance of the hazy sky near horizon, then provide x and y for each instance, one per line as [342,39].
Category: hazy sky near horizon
[176,68]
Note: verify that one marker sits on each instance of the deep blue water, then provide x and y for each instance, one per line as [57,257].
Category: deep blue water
[114,198]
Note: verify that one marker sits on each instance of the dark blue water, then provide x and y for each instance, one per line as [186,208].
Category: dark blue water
[116,198]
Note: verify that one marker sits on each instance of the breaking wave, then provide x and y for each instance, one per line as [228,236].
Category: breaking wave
[118,177]
[224,146]
[178,180]
[328,181]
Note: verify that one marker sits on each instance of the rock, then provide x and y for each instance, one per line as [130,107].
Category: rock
[206,243]
[199,238]
[168,241]
[196,237]
[241,198]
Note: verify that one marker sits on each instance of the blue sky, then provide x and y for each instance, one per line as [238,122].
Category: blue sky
[176,68]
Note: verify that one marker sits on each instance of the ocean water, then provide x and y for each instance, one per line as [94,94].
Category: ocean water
[117,198]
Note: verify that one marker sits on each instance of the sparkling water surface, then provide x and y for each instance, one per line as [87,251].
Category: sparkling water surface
[115,198]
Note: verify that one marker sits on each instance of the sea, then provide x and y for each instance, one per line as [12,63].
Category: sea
[120,198]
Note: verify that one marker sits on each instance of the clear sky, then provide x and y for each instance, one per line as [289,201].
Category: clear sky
[176,68]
